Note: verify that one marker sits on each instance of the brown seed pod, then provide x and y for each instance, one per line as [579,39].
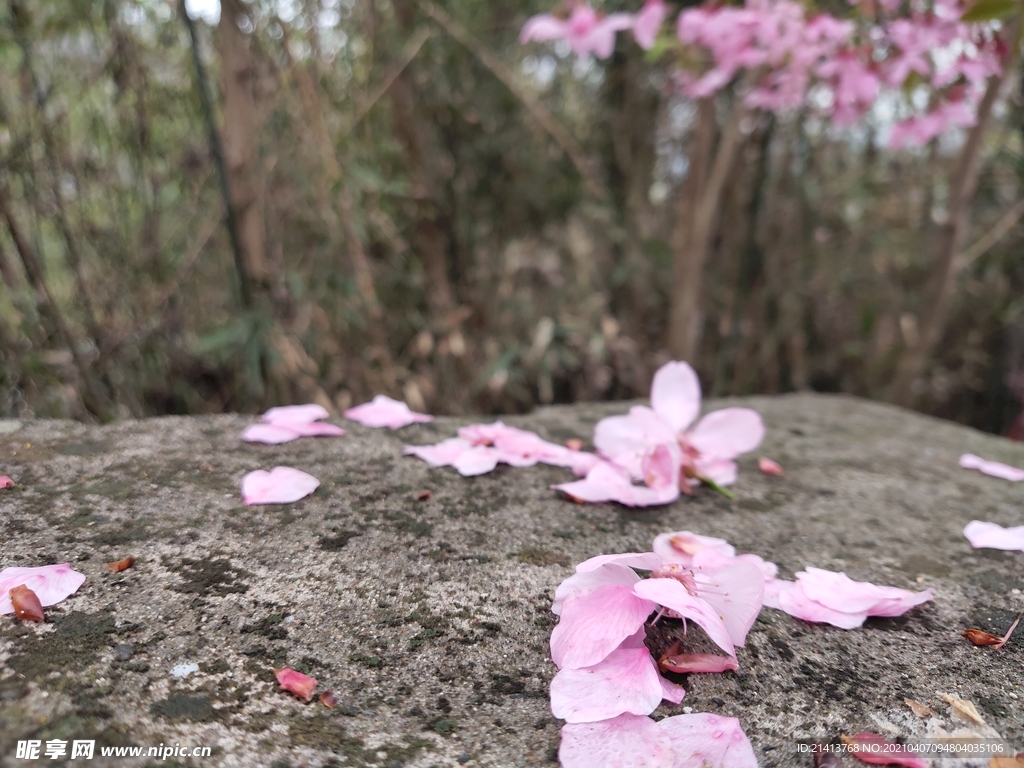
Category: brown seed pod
[329,699]
[980,637]
[423,496]
[121,565]
[26,604]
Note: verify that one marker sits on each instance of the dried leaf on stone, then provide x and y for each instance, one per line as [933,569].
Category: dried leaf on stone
[919,709]
[121,565]
[963,709]
[26,604]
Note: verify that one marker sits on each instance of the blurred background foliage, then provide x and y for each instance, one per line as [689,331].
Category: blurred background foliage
[423,207]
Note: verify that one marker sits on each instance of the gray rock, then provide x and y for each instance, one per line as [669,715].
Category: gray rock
[430,619]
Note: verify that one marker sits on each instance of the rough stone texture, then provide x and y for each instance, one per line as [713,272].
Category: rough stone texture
[430,619]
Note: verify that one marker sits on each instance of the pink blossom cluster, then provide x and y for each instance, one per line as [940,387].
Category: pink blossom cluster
[788,51]
[665,447]
[608,681]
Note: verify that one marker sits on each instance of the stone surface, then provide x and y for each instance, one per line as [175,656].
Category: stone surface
[430,619]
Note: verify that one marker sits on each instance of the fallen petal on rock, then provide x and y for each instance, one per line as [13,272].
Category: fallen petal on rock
[295,682]
[329,699]
[295,414]
[991,536]
[993,468]
[626,741]
[121,565]
[769,467]
[704,740]
[383,411]
[270,434]
[877,750]
[6,482]
[51,583]
[26,604]
[281,485]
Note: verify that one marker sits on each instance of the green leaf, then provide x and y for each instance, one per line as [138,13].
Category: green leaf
[989,10]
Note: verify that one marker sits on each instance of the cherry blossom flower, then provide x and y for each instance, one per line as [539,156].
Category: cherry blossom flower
[598,645]
[286,423]
[295,682]
[833,598]
[706,449]
[992,536]
[281,485]
[51,583]
[993,468]
[698,740]
[647,23]
[479,448]
[586,31]
[382,411]
[6,482]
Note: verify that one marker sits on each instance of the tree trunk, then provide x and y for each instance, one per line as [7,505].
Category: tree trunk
[697,210]
[241,138]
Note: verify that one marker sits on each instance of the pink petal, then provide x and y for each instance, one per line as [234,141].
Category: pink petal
[543,27]
[383,411]
[675,394]
[992,536]
[271,434]
[703,740]
[673,595]
[769,467]
[606,482]
[6,482]
[51,583]
[443,454]
[736,593]
[625,681]
[647,25]
[281,485]
[660,466]
[672,692]
[681,546]
[839,592]
[993,468]
[644,561]
[582,583]
[626,741]
[295,414]
[317,429]
[625,439]
[727,433]
[595,624]
[476,460]
[720,471]
[295,682]
[872,748]
[792,600]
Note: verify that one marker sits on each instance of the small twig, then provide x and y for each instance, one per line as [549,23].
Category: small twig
[412,48]
[1006,222]
[544,118]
